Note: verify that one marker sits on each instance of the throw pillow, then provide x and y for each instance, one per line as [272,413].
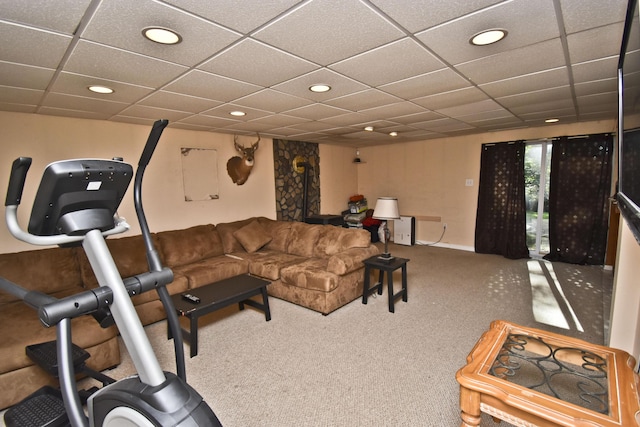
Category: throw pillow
[252,236]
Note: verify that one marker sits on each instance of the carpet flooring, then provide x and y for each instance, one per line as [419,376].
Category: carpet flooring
[364,366]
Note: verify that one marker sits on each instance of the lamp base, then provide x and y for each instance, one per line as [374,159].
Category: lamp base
[386,257]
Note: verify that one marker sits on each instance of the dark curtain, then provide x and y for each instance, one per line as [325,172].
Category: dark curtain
[501,216]
[578,199]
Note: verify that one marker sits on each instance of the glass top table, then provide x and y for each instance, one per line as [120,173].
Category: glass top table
[530,377]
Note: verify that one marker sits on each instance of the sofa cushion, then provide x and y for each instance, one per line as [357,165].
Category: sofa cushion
[310,274]
[252,236]
[334,240]
[211,270]
[180,247]
[303,238]
[46,270]
[279,231]
[267,263]
[20,327]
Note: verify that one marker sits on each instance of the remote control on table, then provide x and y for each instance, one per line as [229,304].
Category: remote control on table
[191,298]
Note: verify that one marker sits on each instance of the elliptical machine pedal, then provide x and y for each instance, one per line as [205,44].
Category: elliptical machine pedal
[43,408]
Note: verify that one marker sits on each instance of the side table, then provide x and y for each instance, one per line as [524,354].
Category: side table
[528,377]
[384,266]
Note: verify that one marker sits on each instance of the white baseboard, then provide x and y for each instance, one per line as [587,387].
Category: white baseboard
[447,245]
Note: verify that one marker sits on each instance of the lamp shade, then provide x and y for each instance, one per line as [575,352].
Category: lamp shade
[386,208]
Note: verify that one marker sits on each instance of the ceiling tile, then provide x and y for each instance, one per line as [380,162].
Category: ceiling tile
[386,64]
[527,22]
[25,76]
[392,110]
[451,99]
[272,100]
[597,43]
[257,63]
[536,97]
[340,85]
[599,69]
[316,112]
[526,60]
[363,100]
[470,108]
[91,59]
[176,101]
[440,81]
[12,95]
[75,84]
[119,23]
[206,85]
[31,46]
[61,15]
[147,112]
[243,16]
[69,102]
[427,13]
[224,111]
[556,77]
[579,15]
[595,87]
[322,26]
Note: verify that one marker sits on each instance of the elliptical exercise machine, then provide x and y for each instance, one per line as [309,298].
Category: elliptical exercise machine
[77,202]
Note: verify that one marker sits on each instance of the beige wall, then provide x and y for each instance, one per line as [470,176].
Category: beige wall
[47,139]
[338,178]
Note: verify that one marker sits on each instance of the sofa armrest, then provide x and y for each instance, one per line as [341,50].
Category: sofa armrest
[350,260]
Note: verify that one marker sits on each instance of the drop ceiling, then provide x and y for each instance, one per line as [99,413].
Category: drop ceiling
[405,66]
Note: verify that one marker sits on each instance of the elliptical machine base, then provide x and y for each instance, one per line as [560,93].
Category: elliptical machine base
[129,402]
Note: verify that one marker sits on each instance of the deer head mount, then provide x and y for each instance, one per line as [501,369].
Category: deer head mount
[239,168]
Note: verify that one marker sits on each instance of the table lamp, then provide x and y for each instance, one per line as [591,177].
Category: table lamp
[386,209]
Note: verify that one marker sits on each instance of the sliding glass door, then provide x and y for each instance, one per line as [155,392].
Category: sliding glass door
[537,172]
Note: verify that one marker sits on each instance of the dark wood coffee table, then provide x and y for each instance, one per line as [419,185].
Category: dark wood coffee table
[218,295]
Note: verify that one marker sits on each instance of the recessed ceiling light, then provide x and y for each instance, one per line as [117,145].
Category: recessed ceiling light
[488,37]
[369,128]
[100,89]
[393,133]
[162,35]
[552,120]
[319,88]
[238,113]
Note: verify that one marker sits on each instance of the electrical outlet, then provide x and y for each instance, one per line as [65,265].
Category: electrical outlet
[444,225]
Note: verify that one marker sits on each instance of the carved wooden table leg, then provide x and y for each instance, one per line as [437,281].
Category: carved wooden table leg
[469,407]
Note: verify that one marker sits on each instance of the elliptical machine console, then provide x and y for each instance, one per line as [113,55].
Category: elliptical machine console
[77,203]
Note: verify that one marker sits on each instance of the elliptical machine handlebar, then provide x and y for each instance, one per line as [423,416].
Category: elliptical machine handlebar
[18,176]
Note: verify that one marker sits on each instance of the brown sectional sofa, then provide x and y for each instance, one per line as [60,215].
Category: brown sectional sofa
[315,266]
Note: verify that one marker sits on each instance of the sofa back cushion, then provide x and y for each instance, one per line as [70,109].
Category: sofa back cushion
[128,253]
[45,270]
[180,247]
[303,238]
[334,240]
[279,232]
[229,242]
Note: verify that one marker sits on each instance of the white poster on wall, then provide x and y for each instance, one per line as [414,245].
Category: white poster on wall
[199,174]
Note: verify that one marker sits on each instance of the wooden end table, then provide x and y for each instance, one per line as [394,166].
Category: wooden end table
[530,377]
[385,266]
[218,295]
